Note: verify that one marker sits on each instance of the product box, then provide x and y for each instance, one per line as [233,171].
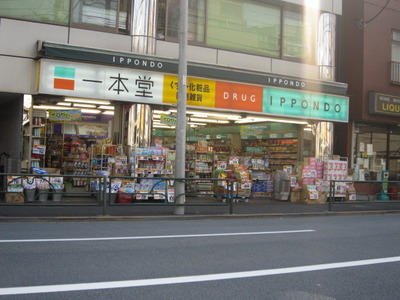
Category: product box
[53,171]
[14,198]
[296,195]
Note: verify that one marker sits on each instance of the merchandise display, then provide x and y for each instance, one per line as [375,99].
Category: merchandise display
[263,161]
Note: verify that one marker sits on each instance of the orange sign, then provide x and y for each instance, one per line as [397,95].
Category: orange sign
[239,96]
[199,92]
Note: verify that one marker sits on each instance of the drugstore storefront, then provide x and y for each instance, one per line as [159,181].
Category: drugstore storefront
[281,119]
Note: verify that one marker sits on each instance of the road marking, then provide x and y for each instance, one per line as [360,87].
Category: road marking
[188,279]
[154,237]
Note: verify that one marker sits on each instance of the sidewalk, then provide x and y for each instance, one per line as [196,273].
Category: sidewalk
[252,208]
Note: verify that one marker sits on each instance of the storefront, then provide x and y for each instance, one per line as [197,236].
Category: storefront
[260,122]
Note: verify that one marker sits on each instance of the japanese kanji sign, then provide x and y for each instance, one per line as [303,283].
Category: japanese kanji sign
[199,92]
[100,82]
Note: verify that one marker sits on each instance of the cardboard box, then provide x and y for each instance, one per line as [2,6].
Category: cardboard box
[53,171]
[15,198]
[296,195]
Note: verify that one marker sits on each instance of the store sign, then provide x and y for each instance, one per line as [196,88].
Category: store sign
[307,105]
[286,82]
[384,104]
[155,64]
[238,96]
[99,82]
[124,84]
[253,131]
[65,115]
[168,119]
[199,92]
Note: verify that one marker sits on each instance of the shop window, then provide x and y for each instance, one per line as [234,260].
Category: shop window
[50,11]
[395,65]
[244,26]
[104,15]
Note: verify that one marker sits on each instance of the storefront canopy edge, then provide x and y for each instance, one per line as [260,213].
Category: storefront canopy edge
[135,61]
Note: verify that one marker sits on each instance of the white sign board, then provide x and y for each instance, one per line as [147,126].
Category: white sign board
[101,82]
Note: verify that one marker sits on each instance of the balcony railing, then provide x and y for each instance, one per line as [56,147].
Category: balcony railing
[395,72]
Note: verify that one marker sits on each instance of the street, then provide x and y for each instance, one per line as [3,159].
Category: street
[334,257]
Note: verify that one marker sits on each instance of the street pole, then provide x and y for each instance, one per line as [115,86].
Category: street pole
[181,111]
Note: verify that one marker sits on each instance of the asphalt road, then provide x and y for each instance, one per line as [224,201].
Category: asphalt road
[335,257]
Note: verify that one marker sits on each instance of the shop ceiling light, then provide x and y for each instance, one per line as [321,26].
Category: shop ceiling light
[197,123]
[106,107]
[253,120]
[164,126]
[108,112]
[50,107]
[89,101]
[63,103]
[84,105]
[91,111]
[208,120]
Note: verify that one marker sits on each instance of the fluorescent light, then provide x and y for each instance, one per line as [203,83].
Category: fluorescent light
[84,105]
[108,112]
[78,100]
[51,107]
[91,111]
[207,120]
[63,104]
[106,107]
[252,120]
[163,126]
[197,123]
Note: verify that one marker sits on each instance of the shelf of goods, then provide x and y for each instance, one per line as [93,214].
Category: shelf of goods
[38,139]
[262,185]
[241,183]
[55,146]
[108,159]
[152,162]
[75,161]
[200,165]
[282,152]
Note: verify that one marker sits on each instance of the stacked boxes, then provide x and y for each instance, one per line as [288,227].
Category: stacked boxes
[335,170]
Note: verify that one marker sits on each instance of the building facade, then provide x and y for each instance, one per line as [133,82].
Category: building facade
[260,61]
[370,66]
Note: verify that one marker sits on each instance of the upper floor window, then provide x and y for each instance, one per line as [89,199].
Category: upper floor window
[395,65]
[299,35]
[247,26]
[396,46]
[244,26]
[50,11]
[104,15]
[168,20]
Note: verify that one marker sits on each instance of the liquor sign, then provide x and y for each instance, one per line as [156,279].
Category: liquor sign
[384,104]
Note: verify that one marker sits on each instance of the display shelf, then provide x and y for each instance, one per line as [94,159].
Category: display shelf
[200,165]
[282,151]
[37,139]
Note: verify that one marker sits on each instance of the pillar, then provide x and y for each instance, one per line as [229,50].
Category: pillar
[143,29]
[326,63]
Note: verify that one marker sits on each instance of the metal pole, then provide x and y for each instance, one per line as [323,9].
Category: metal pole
[181,114]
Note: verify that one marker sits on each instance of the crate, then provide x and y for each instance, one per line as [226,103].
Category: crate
[15,198]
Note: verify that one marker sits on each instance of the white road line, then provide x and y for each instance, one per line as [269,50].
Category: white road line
[154,237]
[188,279]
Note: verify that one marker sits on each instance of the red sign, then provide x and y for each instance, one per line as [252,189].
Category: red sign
[238,96]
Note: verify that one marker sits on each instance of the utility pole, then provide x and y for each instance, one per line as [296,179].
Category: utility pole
[180,128]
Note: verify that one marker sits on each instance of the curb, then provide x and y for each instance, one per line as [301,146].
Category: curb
[108,218]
